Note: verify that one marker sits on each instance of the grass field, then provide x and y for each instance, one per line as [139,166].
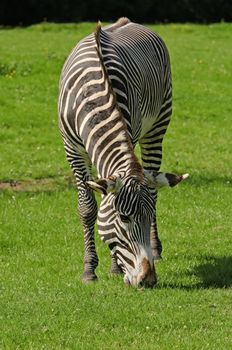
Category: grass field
[44,305]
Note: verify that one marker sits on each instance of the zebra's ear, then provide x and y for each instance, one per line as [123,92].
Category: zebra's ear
[158,179]
[111,184]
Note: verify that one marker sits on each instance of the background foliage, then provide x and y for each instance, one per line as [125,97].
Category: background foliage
[26,12]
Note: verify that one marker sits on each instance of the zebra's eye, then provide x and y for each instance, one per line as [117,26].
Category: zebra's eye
[124,218]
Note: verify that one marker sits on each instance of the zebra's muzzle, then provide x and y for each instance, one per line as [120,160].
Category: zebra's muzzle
[146,278]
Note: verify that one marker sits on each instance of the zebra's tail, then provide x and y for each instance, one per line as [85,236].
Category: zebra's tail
[97,35]
[102,34]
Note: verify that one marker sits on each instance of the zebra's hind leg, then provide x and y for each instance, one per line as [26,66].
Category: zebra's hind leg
[156,244]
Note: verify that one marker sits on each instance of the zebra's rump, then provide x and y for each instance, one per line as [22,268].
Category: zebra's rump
[137,63]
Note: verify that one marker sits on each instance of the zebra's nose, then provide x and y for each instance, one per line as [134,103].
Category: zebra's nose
[147,283]
[147,278]
[150,283]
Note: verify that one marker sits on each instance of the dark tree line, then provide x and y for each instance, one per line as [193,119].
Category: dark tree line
[26,12]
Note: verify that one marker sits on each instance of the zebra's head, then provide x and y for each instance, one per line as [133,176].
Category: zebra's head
[124,222]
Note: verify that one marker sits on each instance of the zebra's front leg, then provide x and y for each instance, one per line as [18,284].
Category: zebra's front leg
[88,214]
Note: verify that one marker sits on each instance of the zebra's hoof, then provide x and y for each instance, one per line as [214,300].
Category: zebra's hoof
[88,277]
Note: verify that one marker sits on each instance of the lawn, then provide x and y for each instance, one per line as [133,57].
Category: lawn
[44,305]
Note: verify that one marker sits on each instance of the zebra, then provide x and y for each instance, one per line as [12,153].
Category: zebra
[115,91]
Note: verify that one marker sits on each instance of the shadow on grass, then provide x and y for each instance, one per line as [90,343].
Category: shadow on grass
[215,272]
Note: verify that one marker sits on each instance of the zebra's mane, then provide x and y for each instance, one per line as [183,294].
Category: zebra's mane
[136,169]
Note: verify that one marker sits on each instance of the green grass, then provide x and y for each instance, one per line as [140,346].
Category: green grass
[43,303]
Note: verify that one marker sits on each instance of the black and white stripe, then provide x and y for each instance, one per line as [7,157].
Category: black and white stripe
[115,90]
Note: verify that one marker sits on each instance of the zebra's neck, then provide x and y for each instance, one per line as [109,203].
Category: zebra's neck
[99,121]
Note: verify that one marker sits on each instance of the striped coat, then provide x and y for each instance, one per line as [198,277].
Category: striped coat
[115,91]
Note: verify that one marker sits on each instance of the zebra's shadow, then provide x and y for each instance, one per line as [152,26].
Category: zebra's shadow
[214,272]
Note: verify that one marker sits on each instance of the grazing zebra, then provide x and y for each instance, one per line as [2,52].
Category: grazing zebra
[115,91]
